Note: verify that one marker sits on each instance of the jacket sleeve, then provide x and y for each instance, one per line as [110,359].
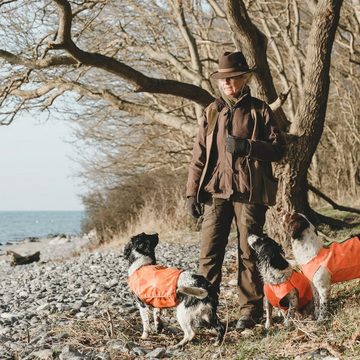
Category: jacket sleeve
[198,159]
[272,147]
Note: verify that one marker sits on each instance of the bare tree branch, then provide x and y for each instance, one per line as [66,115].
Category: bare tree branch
[217,9]
[331,202]
[3,2]
[141,82]
[38,63]
[189,38]
[135,109]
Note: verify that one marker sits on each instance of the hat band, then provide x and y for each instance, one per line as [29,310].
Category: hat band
[226,70]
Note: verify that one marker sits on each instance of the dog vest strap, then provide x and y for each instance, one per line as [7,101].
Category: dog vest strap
[303,286]
[155,285]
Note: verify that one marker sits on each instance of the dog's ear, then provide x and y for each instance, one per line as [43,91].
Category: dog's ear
[275,253]
[277,261]
[145,243]
[127,250]
[296,225]
[279,247]
[155,240]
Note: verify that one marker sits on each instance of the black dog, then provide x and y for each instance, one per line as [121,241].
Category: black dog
[188,292]
[283,286]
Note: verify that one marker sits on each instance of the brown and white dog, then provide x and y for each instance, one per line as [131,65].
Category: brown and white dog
[322,265]
[284,287]
[156,287]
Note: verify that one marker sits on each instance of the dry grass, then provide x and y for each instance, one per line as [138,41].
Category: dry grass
[170,221]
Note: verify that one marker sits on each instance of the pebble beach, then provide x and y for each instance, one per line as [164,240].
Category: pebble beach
[43,303]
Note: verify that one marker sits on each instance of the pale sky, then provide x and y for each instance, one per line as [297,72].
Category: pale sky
[36,172]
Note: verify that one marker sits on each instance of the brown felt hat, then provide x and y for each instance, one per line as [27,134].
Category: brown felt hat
[231,64]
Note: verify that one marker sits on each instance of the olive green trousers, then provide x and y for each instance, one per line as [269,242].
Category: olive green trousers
[217,220]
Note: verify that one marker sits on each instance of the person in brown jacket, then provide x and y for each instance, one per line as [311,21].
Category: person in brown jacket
[230,177]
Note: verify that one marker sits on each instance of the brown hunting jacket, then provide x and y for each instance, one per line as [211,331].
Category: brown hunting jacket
[215,171]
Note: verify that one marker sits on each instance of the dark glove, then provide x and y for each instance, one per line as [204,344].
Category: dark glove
[237,146]
[193,207]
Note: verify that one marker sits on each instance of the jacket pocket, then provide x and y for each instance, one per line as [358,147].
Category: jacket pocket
[213,184]
[243,175]
[270,186]
[262,183]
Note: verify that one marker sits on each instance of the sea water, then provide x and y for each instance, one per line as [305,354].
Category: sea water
[19,225]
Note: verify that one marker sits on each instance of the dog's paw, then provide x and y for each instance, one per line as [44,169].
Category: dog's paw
[145,335]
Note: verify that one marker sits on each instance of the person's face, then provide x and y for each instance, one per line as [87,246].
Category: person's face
[233,85]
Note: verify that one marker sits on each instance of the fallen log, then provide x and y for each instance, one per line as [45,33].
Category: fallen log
[17,259]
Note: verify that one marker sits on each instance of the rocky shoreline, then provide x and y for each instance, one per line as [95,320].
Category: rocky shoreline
[52,247]
[45,303]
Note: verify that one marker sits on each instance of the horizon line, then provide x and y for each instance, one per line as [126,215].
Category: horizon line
[42,210]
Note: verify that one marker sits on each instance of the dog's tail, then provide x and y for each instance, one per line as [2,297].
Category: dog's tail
[193,291]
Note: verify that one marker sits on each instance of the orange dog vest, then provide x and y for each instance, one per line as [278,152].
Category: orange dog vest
[341,259]
[276,292]
[155,285]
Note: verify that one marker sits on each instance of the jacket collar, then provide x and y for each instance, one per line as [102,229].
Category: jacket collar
[221,103]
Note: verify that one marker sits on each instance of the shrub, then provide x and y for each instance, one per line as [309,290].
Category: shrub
[144,202]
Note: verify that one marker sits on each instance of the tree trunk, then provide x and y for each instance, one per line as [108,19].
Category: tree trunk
[306,130]
[254,45]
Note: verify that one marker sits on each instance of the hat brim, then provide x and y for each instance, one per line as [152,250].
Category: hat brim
[225,75]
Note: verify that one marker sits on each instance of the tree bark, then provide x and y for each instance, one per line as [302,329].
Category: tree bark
[307,128]
[254,45]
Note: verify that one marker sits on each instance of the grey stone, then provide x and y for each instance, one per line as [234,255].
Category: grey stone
[10,317]
[43,307]
[113,283]
[99,356]
[70,353]
[34,320]
[80,315]
[4,339]
[46,354]
[138,350]
[158,353]
[116,345]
